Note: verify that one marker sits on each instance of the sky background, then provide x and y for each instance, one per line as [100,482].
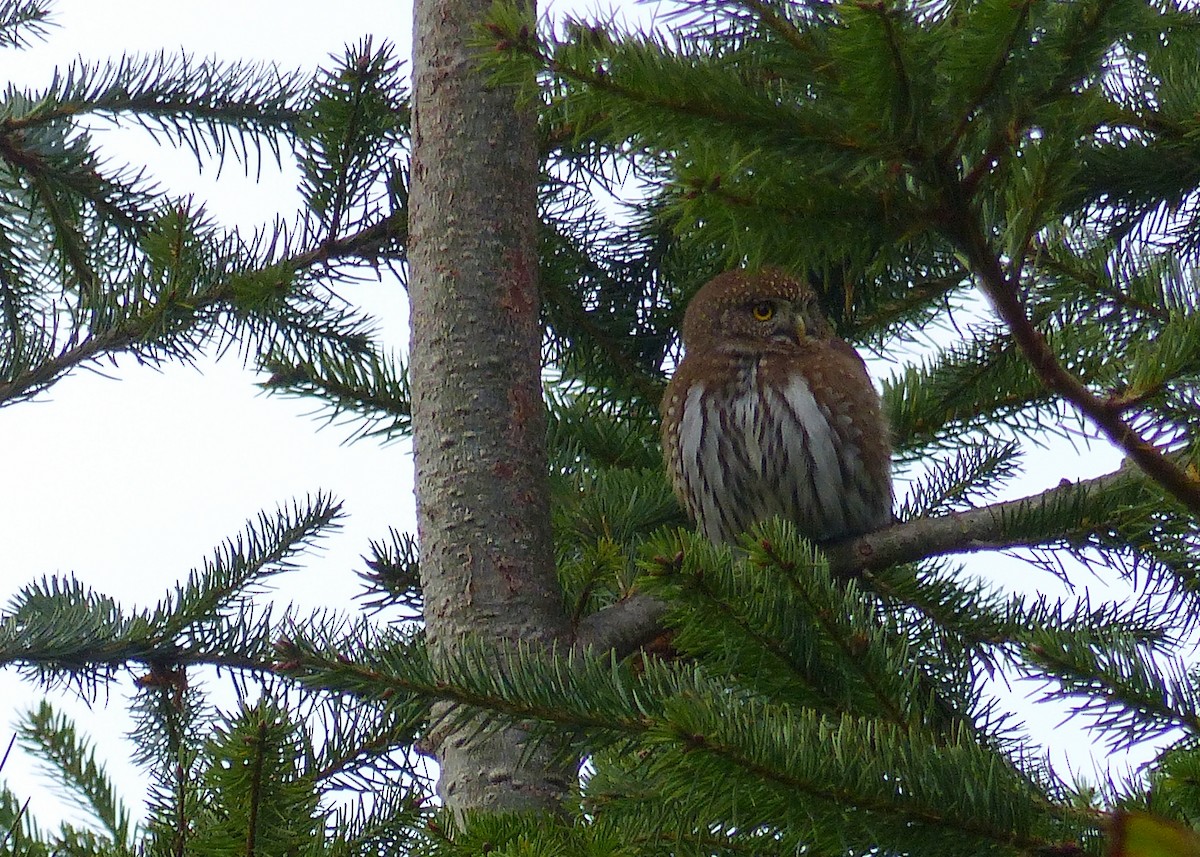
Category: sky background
[129,476]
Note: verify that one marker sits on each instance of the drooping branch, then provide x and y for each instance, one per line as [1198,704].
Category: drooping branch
[367,243]
[1106,415]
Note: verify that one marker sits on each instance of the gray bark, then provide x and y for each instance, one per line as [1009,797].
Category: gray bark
[479,422]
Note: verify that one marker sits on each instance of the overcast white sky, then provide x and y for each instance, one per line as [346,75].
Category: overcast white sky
[126,482]
[129,483]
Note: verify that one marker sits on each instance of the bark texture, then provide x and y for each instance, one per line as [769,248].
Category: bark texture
[479,422]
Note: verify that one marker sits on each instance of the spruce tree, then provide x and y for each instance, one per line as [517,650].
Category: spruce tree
[1027,172]
[479,427]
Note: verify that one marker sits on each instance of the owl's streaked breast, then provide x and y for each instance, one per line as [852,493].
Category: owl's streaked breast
[763,436]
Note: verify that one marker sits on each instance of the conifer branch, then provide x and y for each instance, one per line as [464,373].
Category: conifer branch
[985,528]
[68,238]
[635,621]
[1105,414]
[909,808]
[98,658]
[778,24]
[370,389]
[257,763]
[1067,264]
[615,353]
[23,21]
[623,628]
[895,48]
[367,243]
[770,120]
[72,757]
[207,107]
[990,82]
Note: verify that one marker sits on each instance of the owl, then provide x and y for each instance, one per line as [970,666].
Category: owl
[770,414]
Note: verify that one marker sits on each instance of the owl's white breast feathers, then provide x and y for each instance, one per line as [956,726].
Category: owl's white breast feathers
[812,448]
[775,450]
[700,456]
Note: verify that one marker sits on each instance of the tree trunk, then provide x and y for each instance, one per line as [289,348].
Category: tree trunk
[479,422]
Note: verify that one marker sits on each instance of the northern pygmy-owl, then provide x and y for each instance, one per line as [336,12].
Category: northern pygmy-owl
[771,414]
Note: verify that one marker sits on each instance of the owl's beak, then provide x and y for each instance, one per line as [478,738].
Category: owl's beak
[799,328]
[788,326]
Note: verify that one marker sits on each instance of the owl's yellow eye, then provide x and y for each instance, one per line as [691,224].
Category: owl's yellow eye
[763,311]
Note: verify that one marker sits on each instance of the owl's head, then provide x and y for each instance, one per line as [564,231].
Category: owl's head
[753,308]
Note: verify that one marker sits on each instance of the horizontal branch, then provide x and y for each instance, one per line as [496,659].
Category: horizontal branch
[688,103]
[635,621]
[982,529]
[103,657]
[622,628]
